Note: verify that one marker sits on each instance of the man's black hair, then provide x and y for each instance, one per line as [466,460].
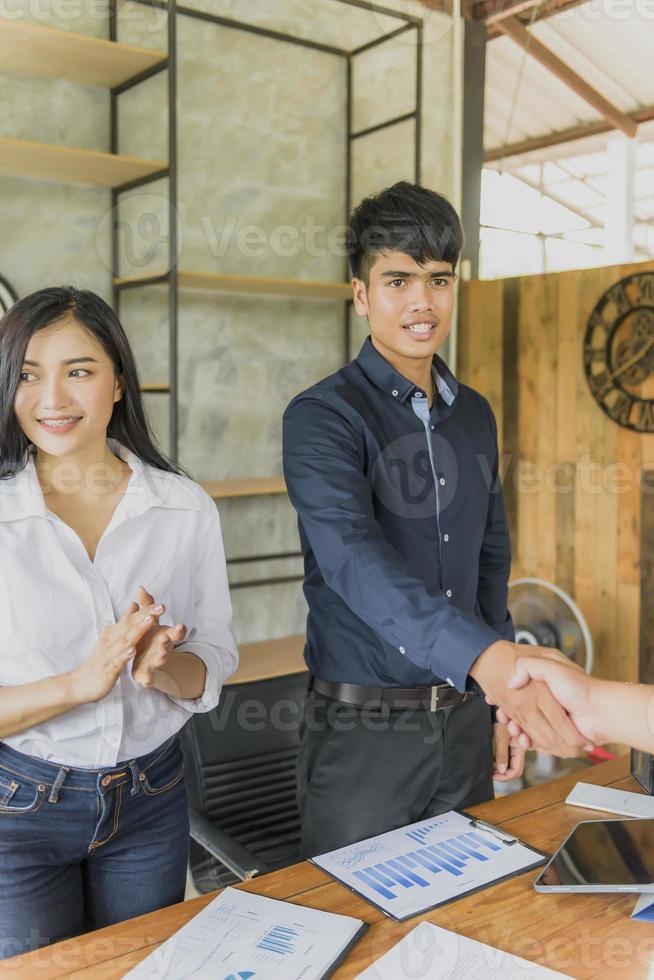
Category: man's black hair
[403,218]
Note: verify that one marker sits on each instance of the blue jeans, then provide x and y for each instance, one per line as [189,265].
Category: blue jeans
[81,849]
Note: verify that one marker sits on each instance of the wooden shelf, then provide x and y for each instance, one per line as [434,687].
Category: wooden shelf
[29,49]
[265,285]
[155,389]
[253,285]
[21,158]
[258,486]
[270,658]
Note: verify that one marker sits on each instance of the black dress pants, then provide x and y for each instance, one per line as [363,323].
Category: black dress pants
[362,772]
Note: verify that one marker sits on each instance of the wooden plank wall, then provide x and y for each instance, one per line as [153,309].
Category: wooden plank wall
[573,479]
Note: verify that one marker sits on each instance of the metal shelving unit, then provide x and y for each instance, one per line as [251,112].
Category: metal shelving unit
[176,278]
[121,67]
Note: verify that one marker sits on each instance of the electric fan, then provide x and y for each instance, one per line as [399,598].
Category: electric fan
[544,615]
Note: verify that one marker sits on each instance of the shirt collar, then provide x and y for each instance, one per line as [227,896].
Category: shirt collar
[384,376]
[21,496]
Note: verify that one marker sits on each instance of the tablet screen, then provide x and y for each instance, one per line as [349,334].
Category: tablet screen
[604,852]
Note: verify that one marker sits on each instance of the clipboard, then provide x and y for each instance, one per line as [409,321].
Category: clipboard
[413,869]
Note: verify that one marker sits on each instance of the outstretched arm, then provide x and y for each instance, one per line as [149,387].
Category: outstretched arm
[604,711]
[332,496]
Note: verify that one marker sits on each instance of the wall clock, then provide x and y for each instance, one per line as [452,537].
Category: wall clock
[619,352]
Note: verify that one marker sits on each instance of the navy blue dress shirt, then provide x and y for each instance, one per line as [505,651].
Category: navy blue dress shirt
[402,525]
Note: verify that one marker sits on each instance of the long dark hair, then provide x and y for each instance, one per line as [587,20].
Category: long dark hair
[129,423]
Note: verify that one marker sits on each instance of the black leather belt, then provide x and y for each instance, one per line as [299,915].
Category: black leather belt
[396,698]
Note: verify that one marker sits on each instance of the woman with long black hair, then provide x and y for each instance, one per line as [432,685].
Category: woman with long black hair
[115,626]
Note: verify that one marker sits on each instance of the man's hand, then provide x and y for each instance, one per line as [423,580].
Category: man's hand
[508,755]
[571,687]
[154,649]
[534,708]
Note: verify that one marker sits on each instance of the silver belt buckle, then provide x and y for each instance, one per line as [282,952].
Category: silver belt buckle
[433,705]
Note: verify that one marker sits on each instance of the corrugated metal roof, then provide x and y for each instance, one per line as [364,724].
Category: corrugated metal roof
[609,46]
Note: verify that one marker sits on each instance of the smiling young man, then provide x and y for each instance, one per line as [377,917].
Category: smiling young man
[392,467]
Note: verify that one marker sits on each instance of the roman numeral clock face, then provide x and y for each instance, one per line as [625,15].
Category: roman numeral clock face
[619,352]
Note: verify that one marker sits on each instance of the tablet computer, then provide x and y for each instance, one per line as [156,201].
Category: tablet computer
[603,856]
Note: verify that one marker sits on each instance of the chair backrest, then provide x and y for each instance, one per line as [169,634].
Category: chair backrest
[240,772]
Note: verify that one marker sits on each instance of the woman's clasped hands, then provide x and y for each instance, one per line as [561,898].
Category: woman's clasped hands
[136,636]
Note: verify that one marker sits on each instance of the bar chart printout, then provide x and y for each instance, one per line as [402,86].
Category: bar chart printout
[414,868]
[241,935]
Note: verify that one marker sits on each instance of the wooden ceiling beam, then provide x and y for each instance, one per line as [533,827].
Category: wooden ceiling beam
[564,136]
[512,27]
[493,11]
[490,11]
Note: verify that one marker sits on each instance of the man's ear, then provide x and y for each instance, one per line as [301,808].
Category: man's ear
[360,297]
[119,389]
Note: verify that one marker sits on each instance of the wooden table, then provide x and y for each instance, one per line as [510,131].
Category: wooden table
[580,935]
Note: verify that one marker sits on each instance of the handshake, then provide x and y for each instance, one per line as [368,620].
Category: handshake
[550,704]
[545,700]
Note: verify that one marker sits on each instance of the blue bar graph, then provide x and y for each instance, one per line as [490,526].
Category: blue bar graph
[421,833]
[279,939]
[484,841]
[454,852]
[443,860]
[407,863]
[414,868]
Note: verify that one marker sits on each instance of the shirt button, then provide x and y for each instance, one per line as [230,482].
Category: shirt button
[418,394]
[432,427]
[449,593]
[402,650]
[442,481]
[395,393]
[446,537]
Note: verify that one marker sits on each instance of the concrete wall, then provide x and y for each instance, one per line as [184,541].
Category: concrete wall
[261,151]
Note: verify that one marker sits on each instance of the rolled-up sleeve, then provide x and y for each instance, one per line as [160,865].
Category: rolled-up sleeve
[331,493]
[210,635]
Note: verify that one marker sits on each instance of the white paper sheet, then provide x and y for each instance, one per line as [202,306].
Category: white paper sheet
[420,866]
[644,909]
[241,935]
[431,953]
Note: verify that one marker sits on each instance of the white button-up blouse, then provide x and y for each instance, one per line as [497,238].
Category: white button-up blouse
[165,535]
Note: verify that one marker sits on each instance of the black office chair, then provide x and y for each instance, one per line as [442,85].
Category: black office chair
[240,773]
